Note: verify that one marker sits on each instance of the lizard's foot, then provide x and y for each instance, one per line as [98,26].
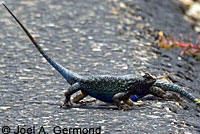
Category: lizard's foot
[67,101]
[180,101]
[131,103]
[124,108]
[139,104]
[66,104]
[87,101]
[183,104]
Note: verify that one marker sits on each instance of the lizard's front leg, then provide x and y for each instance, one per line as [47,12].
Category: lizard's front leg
[122,96]
[158,92]
[74,88]
[77,99]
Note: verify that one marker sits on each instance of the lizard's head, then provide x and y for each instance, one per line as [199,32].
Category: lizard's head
[143,84]
[149,79]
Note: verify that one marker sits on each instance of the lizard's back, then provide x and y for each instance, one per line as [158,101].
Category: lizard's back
[104,87]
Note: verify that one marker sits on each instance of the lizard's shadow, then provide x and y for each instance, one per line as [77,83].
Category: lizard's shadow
[99,107]
[107,106]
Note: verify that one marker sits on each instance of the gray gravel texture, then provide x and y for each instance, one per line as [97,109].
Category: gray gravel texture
[93,37]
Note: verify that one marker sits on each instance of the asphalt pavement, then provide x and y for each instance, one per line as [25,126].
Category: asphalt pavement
[92,37]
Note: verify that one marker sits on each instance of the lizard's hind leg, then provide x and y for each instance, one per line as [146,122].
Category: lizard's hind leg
[72,89]
[77,99]
[131,103]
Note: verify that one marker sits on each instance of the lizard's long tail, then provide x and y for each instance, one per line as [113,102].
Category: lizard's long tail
[167,86]
[70,76]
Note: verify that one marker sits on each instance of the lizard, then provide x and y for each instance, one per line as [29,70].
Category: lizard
[107,88]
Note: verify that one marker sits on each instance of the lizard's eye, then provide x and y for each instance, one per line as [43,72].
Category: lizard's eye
[148,76]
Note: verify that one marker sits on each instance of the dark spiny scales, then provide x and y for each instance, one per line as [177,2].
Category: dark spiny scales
[105,87]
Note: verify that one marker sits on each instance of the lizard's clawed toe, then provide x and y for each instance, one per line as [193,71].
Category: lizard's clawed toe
[65,105]
[87,101]
[124,108]
[62,105]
